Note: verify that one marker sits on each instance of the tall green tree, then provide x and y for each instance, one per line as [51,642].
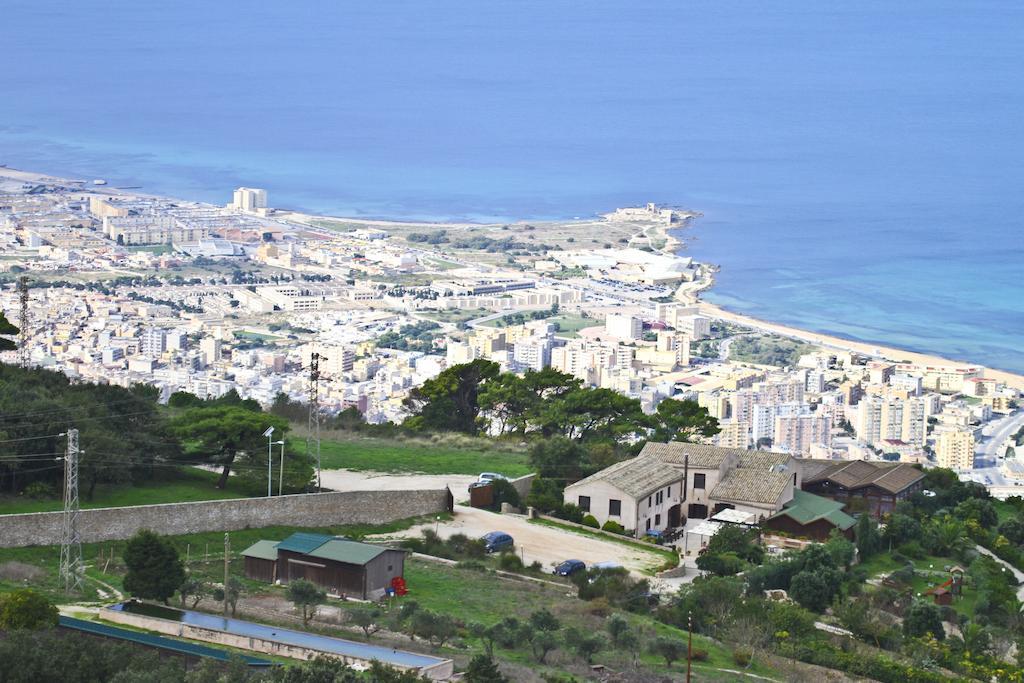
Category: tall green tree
[592,413]
[450,401]
[923,618]
[155,570]
[222,435]
[6,330]
[867,537]
[675,420]
[483,669]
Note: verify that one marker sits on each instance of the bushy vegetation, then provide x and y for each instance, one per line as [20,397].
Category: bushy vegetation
[768,350]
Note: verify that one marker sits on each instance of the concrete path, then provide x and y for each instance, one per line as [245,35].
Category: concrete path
[1016,572]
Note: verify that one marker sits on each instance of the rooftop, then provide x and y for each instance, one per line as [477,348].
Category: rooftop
[635,477]
[302,542]
[349,552]
[263,550]
[807,508]
[853,474]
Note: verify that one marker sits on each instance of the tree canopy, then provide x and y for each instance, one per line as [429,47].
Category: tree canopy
[155,570]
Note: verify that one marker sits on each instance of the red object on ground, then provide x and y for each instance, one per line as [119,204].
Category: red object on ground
[398,583]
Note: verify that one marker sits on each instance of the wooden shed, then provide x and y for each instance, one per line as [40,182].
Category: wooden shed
[338,565]
[261,561]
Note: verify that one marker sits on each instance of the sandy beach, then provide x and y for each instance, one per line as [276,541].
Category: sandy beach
[867,349]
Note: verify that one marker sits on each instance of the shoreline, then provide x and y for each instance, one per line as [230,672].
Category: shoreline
[672,244]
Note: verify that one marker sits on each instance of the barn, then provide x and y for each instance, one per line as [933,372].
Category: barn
[261,561]
[338,565]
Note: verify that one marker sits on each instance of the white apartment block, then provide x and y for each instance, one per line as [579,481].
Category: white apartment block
[249,199]
[623,326]
[798,433]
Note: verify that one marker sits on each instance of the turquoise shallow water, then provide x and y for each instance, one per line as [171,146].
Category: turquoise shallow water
[859,166]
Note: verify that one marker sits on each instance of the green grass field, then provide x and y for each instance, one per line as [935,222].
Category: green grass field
[186,486]
[381,455]
[197,547]
[570,325]
[931,574]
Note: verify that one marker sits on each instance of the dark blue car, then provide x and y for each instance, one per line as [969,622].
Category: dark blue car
[569,567]
[496,541]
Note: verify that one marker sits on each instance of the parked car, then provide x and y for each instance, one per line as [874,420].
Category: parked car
[496,541]
[486,477]
[569,567]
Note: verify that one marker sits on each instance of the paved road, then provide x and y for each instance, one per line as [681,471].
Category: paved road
[539,543]
[1003,429]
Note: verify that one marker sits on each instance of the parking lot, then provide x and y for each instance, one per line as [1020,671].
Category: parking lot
[535,542]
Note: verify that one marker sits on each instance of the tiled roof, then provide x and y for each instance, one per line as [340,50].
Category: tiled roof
[752,485]
[698,455]
[636,477]
[854,474]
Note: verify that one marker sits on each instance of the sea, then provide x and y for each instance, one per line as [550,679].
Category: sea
[859,166]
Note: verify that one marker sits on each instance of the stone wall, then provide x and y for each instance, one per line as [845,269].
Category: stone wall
[310,510]
[522,486]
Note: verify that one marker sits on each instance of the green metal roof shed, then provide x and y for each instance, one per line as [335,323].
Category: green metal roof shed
[262,550]
[811,515]
[349,552]
[302,542]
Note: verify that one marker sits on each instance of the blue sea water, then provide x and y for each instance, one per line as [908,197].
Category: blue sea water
[859,165]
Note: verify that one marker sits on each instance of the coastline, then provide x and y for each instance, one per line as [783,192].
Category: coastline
[687,293]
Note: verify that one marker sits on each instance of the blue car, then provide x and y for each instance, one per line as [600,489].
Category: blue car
[496,541]
[569,567]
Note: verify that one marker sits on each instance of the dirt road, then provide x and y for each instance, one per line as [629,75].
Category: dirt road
[347,480]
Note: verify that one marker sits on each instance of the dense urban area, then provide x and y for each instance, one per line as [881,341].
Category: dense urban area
[249,444]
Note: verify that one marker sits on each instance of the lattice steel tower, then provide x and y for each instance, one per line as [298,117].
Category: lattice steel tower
[71,567]
[313,428]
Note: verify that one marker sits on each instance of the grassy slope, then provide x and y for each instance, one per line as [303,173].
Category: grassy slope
[188,485]
[884,564]
[416,456]
[477,596]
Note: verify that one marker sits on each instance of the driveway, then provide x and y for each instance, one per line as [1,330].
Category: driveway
[536,542]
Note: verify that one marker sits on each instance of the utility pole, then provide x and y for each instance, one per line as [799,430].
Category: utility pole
[227,560]
[24,353]
[313,428]
[689,643]
[71,567]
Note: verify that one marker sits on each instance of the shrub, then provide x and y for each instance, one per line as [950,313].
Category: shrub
[699,655]
[510,562]
[591,521]
[40,490]
[741,657]
[911,549]
[472,565]
[614,527]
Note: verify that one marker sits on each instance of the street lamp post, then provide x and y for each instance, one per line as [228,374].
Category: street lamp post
[280,471]
[270,456]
